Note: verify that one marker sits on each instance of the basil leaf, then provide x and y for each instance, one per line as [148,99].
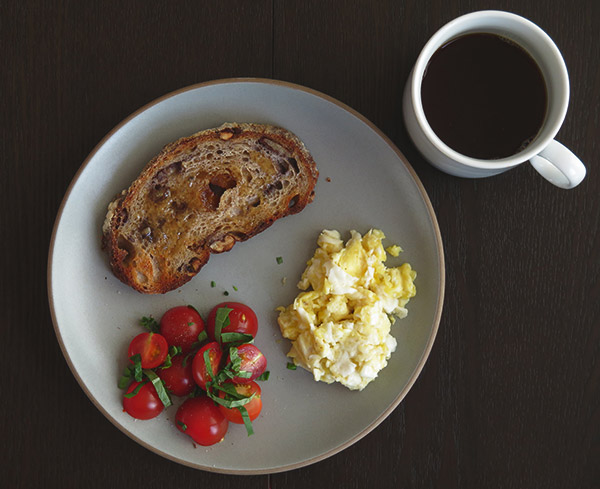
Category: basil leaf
[137,366]
[228,403]
[150,324]
[135,391]
[182,425]
[246,417]
[291,366]
[193,309]
[230,390]
[265,376]
[221,321]
[239,338]
[125,379]
[209,369]
[186,359]
[158,384]
[173,350]
[202,336]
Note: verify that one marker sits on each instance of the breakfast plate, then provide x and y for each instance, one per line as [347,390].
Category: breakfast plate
[365,182]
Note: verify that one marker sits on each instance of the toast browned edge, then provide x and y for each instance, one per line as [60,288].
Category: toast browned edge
[117,209]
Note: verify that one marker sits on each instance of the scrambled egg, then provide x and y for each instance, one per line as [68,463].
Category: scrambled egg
[340,325]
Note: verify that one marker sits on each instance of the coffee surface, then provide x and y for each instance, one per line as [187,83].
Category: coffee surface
[484,96]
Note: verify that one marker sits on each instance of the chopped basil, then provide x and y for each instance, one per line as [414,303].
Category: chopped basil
[234,400]
[239,338]
[185,360]
[202,336]
[291,366]
[158,384]
[225,293]
[150,324]
[182,425]
[125,377]
[236,361]
[134,392]
[173,350]
[213,284]
[279,260]
[235,288]
[230,403]
[137,366]
[193,309]
[209,368]
[221,321]
[246,418]
[264,377]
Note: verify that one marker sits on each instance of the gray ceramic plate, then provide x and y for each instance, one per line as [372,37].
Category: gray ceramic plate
[364,182]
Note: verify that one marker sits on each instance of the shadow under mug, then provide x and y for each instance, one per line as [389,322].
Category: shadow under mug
[552,160]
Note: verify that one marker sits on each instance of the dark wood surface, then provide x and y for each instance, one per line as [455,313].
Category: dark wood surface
[510,396]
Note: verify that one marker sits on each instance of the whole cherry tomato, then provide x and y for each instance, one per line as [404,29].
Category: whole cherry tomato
[145,404]
[201,419]
[178,378]
[242,319]
[181,326]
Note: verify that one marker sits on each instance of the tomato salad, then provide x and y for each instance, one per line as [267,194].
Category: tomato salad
[214,365]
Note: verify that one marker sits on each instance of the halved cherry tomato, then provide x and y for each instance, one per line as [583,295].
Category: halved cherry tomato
[253,361]
[145,404]
[199,367]
[201,419]
[241,320]
[253,407]
[178,377]
[152,347]
[181,326]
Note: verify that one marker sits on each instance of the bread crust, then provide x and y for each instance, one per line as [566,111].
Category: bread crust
[200,195]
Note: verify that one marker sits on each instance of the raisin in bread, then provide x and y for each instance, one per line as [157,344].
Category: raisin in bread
[200,195]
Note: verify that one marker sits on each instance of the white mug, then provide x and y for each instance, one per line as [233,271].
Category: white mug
[551,159]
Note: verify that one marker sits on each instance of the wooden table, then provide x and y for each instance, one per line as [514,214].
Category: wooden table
[510,396]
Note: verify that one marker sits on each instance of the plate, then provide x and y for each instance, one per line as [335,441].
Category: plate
[365,182]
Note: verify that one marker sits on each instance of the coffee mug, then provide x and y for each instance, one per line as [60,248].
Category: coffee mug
[551,159]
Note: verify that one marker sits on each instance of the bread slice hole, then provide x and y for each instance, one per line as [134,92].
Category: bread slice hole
[127,246]
[293,201]
[216,188]
[294,163]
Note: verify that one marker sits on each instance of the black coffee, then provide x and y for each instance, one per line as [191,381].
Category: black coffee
[484,96]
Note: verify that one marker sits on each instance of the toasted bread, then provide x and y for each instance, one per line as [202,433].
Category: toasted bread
[201,195]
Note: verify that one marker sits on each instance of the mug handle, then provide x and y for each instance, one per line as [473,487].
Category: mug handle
[559,165]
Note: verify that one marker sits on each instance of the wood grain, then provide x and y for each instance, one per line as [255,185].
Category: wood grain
[510,396]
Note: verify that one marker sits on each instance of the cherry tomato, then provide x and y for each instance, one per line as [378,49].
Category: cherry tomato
[253,407]
[181,326]
[253,361]
[201,419]
[145,404]
[152,347]
[241,320]
[199,367]
[178,377]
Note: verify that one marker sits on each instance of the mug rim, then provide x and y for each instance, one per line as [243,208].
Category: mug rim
[551,127]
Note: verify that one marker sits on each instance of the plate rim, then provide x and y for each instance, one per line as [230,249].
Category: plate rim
[440,292]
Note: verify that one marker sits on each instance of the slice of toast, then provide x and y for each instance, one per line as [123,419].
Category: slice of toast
[200,195]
